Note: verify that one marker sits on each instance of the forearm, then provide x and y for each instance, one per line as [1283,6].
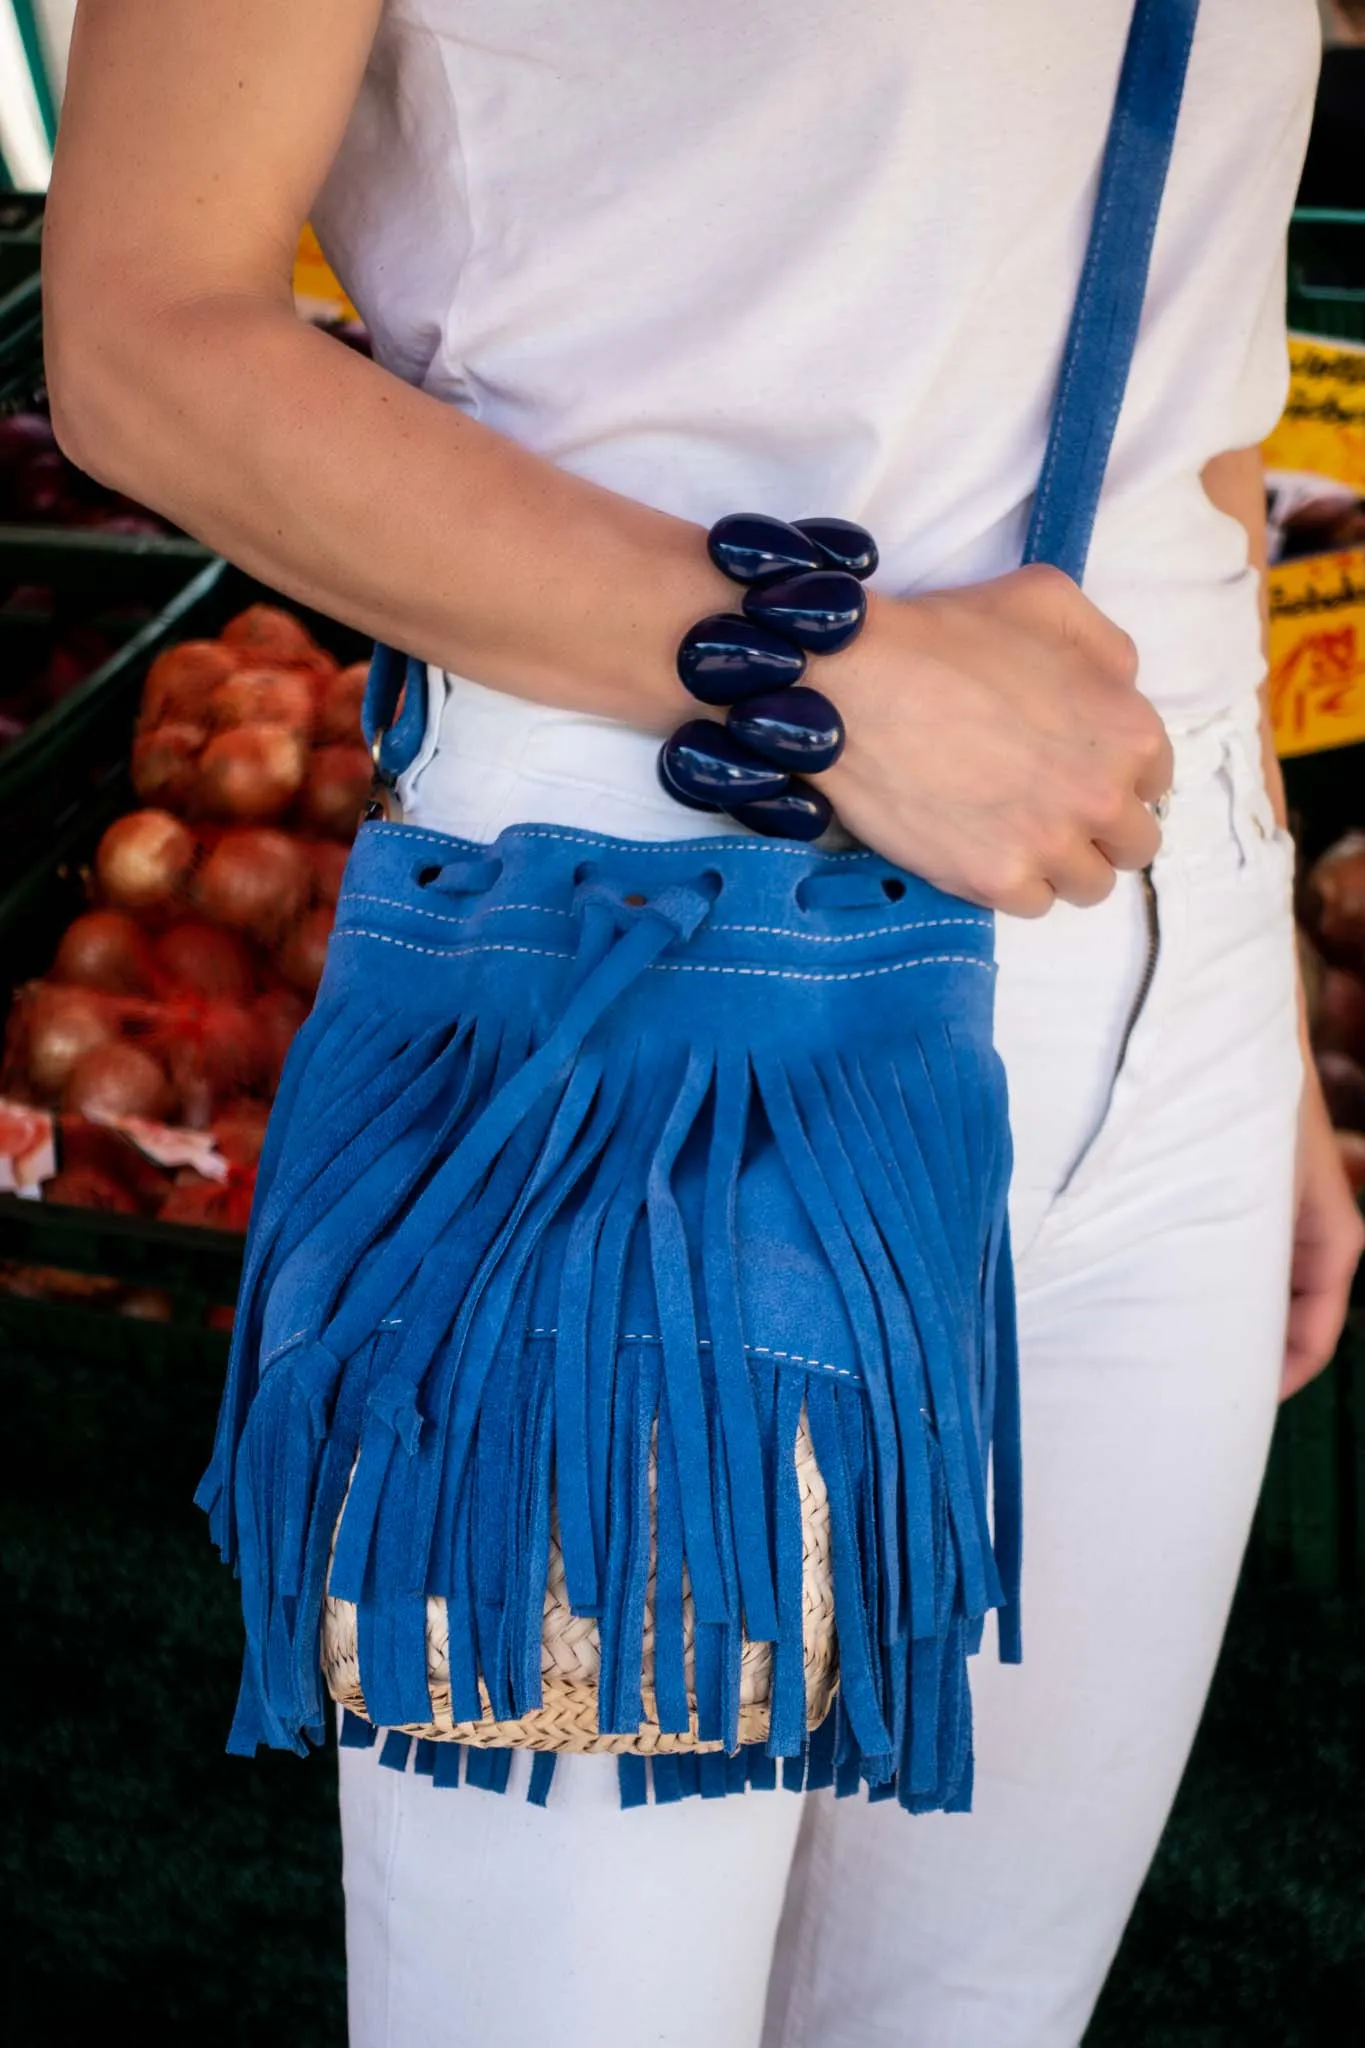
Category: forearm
[351,491]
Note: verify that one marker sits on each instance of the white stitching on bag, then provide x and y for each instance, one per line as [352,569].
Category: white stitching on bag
[772,931]
[674,966]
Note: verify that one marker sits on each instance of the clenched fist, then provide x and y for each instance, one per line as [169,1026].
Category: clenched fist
[997,742]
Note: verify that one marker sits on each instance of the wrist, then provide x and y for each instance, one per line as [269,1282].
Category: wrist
[664,582]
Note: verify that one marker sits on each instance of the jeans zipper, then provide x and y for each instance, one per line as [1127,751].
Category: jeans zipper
[1144,987]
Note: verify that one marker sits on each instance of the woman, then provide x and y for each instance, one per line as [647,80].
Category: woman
[629,266]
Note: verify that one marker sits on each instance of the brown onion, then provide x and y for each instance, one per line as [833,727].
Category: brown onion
[64,1024]
[1335,900]
[105,949]
[303,955]
[263,696]
[84,1187]
[255,772]
[144,860]
[329,865]
[205,960]
[117,1080]
[164,764]
[268,636]
[336,790]
[1339,1014]
[239,1132]
[256,882]
[339,699]
[179,680]
[1343,1085]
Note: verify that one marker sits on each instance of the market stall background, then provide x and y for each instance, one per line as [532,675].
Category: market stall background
[153,1879]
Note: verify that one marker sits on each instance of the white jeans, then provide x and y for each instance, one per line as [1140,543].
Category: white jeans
[1151,1209]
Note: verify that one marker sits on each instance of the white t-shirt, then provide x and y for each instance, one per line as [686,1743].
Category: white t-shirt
[792,257]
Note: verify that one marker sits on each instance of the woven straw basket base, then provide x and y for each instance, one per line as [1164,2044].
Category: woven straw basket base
[570,1658]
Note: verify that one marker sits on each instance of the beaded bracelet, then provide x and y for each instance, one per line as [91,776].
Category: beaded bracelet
[803,596]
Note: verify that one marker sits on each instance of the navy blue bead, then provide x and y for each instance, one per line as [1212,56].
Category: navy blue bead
[843,543]
[798,813]
[821,611]
[797,729]
[726,657]
[750,545]
[706,767]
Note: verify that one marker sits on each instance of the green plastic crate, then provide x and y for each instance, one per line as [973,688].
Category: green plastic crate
[1327,274]
[21,344]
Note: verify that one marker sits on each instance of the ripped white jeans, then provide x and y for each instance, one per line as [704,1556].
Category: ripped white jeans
[1154,1078]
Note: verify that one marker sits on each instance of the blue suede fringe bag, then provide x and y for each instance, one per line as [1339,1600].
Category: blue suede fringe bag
[595,1152]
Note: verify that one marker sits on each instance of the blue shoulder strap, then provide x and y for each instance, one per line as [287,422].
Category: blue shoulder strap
[1104,323]
[1095,362]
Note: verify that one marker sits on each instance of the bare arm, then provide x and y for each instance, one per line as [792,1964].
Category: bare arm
[1328,1234]
[193,141]
[998,744]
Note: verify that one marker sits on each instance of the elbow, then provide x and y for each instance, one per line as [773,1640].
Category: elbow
[83,374]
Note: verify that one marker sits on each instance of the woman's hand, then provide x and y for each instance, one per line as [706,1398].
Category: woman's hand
[1328,1240]
[998,743]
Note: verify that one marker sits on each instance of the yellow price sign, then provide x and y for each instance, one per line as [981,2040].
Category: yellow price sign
[1317,652]
[1322,429]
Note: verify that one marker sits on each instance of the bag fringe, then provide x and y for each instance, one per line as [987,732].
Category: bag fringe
[434,1198]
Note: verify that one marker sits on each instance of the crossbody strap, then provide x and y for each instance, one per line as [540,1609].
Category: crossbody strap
[1095,362]
[1104,323]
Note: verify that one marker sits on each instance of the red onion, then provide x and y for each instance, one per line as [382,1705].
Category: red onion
[41,489]
[255,772]
[105,949]
[144,861]
[256,882]
[336,790]
[24,435]
[117,1080]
